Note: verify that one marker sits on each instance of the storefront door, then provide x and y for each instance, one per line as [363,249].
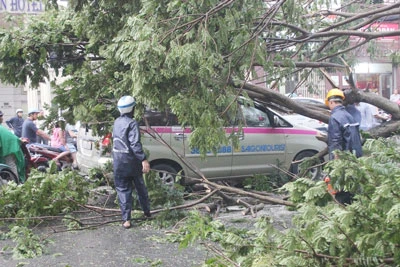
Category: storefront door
[385,85]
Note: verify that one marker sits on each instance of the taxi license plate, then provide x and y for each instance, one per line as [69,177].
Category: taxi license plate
[87,145]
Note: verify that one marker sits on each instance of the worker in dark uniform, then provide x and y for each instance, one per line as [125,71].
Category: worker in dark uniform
[343,134]
[343,129]
[129,161]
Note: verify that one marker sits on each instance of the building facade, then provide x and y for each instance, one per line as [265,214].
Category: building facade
[24,96]
[376,64]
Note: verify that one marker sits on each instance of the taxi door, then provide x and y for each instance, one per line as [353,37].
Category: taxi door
[261,146]
[212,166]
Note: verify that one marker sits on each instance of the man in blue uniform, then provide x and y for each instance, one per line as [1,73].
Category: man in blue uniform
[129,161]
[343,134]
[343,129]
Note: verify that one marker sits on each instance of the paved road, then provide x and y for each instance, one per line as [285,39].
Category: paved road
[110,246]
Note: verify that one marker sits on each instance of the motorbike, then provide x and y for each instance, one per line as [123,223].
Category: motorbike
[50,153]
[31,161]
[36,161]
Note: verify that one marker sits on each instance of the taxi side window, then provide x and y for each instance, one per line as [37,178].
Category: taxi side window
[254,117]
[279,122]
[158,118]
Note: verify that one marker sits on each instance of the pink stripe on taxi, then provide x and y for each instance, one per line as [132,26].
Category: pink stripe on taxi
[248,130]
[253,130]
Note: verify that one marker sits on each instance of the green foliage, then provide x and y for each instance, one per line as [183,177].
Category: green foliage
[163,197]
[266,183]
[29,245]
[246,248]
[364,231]
[324,232]
[43,194]
[182,54]
[102,175]
[143,261]
[395,56]
[303,190]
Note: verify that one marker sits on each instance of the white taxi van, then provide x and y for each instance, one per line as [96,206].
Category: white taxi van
[266,143]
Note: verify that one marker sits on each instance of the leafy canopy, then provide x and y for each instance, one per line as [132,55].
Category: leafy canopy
[180,54]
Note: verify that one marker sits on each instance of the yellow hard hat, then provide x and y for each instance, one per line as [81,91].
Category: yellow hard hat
[334,93]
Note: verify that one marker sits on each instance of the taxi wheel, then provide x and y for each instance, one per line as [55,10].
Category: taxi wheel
[313,173]
[166,173]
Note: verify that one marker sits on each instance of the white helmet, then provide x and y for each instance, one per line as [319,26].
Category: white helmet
[18,111]
[126,104]
[33,110]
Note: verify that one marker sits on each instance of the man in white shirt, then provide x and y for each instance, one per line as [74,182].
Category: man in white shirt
[370,116]
[71,143]
[395,97]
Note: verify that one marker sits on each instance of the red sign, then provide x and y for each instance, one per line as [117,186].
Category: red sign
[382,27]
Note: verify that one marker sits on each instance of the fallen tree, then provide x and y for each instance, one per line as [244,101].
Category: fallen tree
[321,112]
[186,56]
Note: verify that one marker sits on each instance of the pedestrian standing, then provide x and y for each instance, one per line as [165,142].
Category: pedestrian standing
[367,116]
[15,123]
[343,133]
[129,161]
[343,130]
[395,97]
[370,116]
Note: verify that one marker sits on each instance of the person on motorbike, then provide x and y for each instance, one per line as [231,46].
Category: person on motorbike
[58,140]
[30,130]
[11,153]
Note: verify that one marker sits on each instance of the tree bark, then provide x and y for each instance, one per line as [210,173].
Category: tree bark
[319,112]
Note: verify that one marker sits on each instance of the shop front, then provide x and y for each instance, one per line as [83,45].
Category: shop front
[376,77]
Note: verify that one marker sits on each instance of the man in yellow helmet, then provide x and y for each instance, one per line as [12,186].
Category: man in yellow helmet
[343,129]
[343,134]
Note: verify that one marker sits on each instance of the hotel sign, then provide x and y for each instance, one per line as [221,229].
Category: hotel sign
[21,6]
[381,27]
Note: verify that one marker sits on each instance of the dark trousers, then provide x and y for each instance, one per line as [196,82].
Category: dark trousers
[124,187]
